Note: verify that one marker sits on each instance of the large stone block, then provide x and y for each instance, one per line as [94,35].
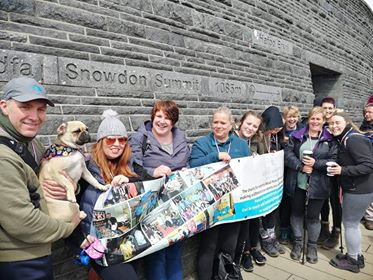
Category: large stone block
[125,27]
[18,6]
[63,44]
[33,30]
[70,15]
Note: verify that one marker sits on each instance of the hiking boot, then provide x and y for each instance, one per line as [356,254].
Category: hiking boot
[258,257]
[312,253]
[268,246]
[333,240]
[284,237]
[247,263]
[345,262]
[324,233]
[278,247]
[360,259]
[296,252]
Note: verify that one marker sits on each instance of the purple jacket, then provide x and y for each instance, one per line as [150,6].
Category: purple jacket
[325,150]
[153,154]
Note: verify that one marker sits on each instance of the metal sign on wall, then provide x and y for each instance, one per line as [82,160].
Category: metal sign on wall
[83,73]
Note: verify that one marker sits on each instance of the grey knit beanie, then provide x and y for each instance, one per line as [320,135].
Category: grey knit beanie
[111,125]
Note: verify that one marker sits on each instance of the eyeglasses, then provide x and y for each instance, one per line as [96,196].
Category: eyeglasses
[111,141]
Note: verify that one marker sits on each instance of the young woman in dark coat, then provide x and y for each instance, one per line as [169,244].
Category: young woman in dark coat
[306,178]
[355,169]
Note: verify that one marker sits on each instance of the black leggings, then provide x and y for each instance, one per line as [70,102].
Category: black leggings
[285,210]
[126,270]
[249,235]
[268,221]
[222,238]
[336,207]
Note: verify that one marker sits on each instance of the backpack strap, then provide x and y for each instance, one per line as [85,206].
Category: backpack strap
[144,145]
[21,150]
[344,140]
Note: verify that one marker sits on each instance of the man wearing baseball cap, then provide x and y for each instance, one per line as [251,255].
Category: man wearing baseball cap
[26,230]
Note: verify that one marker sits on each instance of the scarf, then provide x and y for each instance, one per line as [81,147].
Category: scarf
[9,128]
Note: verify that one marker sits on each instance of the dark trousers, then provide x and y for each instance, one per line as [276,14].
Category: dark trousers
[312,218]
[336,207]
[268,221]
[35,269]
[222,238]
[165,264]
[285,210]
[114,271]
[248,237]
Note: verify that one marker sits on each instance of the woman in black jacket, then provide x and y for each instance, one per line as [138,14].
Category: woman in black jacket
[355,167]
[305,177]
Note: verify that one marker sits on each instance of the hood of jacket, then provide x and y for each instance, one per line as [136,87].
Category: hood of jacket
[299,134]
[177,134]
[272,118]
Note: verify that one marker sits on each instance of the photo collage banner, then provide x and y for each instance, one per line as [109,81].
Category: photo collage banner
[137,219]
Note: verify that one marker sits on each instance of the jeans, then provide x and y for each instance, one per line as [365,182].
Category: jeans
[165,264]
[35,269]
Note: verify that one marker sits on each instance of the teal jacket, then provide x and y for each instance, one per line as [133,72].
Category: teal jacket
[205,150]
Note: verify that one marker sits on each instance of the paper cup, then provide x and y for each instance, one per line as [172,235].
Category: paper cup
[329,165]
[308,153]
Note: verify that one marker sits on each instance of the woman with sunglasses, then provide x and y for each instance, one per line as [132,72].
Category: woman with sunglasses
[160,148]
[109,164]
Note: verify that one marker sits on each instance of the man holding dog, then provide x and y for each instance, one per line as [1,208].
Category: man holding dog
[26,230]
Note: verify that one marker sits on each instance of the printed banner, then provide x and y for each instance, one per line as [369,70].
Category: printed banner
[137,219]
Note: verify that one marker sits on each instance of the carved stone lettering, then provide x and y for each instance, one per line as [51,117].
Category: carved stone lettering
[76,72]
[272,42]
[263,92]
[82,73]
[14,64]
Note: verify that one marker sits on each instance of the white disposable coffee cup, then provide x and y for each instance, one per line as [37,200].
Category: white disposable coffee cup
[329,165]
[308,153]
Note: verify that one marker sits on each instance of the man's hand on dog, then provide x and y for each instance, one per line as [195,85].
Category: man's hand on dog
[53,190]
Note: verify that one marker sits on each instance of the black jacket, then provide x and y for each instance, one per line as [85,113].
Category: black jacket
[355,155]
[325,150]
[365,126]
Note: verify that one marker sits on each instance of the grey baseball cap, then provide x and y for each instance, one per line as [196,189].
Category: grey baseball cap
[24,89]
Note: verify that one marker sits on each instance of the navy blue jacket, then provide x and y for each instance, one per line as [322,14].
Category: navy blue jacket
[325,150]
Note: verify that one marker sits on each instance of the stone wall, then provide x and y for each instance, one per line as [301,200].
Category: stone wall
[247,54]
[122,54]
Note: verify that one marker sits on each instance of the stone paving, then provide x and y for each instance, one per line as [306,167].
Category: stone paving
[284,268]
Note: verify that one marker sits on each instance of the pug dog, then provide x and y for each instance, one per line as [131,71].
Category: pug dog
[64,163]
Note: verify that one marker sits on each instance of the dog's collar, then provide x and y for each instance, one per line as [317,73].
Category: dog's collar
[57,150]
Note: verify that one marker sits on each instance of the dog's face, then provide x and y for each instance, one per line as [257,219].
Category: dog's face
[73,134]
